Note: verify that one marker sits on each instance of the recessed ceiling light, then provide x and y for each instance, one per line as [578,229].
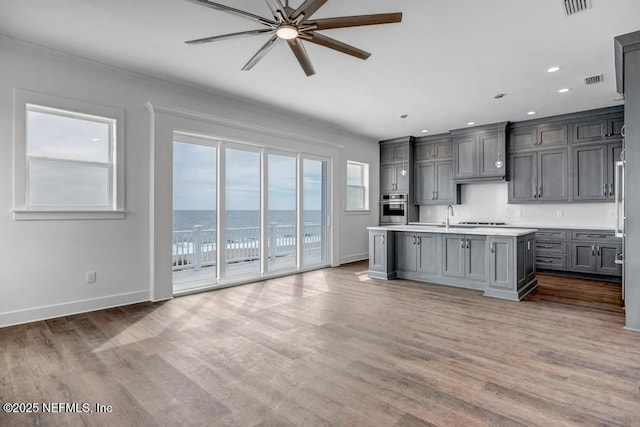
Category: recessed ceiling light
[471,123]
[564,90]
[95,139]
[554,69]
[425,130]
[531,113]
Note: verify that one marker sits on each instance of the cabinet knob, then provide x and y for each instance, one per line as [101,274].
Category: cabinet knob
[605,189]
[492,247]
[593,250]
[462,243]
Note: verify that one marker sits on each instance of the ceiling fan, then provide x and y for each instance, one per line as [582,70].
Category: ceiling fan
[293,26]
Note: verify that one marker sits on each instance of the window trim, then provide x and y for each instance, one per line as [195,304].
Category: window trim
[25,100]
[365,187]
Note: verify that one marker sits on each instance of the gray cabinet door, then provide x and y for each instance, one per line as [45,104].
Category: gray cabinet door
[523,178]
[453,255]
[466,155]
[530,257]
[524,138]
[425,183]
[590,130]
[490,148]
[552,134]
[501,263]
[553,175]
[606,255]
[387,153]
[388,178]
[476,263]
[406,251]
[583,256]
[590,173]
[613,127]
[423,151]
[443,150]
[378,252]
[427,248]
[402,181]
[446,190]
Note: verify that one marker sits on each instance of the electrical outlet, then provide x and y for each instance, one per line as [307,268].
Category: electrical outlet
[518,213]
[559,213]
[91,277]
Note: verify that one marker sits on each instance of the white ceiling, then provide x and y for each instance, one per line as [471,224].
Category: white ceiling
[442,65]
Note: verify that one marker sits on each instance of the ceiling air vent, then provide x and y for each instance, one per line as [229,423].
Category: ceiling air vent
[571,7]
[594,79]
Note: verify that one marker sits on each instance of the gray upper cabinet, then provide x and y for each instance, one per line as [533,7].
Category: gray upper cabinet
[597,129]
[475,152]
[593,170]
[433,171]
[396,157]
[538,136]
[392,180]
[540,176]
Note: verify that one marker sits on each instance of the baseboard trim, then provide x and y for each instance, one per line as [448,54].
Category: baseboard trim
[631,329]
[29,315]
[353,258]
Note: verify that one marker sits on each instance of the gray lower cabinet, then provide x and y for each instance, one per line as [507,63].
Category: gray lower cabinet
[417,252]
[595,257]
[512,273]
[381,254]
[464,256]
[502,266]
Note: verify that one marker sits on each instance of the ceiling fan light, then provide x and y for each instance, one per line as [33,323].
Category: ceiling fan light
[287,32]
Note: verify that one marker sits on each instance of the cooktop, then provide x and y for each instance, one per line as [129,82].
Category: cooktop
[482,223]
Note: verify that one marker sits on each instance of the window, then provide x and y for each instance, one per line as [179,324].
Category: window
[357,186]
[67,159]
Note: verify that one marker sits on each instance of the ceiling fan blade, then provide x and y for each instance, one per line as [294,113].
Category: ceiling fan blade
[308,8]
[230,36]
[335,45]
[261,53]
[301,55]
[235,11]
[355,21]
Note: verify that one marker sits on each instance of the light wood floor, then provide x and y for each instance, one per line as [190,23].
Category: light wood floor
[332,347]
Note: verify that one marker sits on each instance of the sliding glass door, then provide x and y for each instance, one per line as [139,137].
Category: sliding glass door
[268,215]
[242,212]
[194,211]
[282,212]
[314,200]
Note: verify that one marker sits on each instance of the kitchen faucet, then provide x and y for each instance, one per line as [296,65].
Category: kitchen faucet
[446,224]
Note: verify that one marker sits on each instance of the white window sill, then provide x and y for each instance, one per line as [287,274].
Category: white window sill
[358,212]
[42,215]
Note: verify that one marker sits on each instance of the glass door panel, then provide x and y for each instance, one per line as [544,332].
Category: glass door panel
[242,212]
[194,212]
[281,212]
[314,232]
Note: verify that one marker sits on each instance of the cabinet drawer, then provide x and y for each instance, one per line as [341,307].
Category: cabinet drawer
[552,247]
[594,235]
[551,234]
[552,262]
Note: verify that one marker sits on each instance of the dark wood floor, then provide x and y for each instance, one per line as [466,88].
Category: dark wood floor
[332,347]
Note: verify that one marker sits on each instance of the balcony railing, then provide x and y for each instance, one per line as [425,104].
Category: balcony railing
[197,248]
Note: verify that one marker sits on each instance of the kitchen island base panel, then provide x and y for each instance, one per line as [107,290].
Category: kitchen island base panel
[382,276]
[511,295]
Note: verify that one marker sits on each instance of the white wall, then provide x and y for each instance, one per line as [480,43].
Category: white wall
[42,263]
[488,201]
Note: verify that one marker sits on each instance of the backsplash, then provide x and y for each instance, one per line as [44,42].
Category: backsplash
[488,202]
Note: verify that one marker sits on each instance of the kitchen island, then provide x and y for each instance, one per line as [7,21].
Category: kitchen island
[499,261]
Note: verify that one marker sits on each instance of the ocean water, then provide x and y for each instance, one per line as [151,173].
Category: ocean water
[185,220]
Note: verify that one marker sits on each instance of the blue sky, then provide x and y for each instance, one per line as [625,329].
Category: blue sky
[194,180]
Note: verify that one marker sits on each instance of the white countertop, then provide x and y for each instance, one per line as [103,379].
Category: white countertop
[484,231]
[559,227]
